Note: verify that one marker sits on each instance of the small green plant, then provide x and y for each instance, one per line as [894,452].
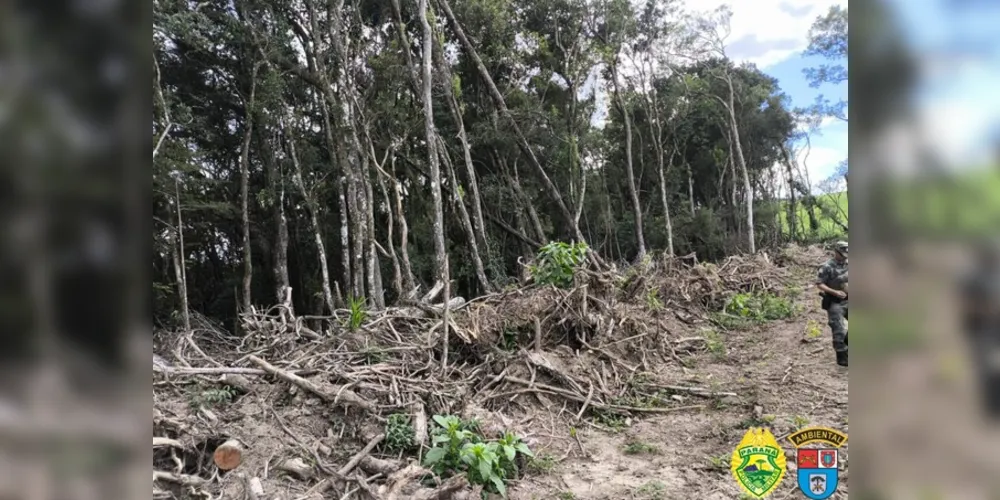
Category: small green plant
[508,339]
[509,447]
[609,419]
[640,448]
[358,314]
[399,435]
[458,448]
[759,307]
[484,466]
[214,397]
[719,462]
[799,421]
[813,329]
[653,490]
[567,495]
[653,301]
[556,262]
[374,355]
[445,456]
[715,343]
[540,464]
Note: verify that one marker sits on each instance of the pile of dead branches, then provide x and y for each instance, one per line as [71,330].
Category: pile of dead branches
[268,413]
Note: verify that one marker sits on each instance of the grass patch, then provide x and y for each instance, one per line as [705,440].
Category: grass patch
[813,329]
[641,448]
[653,490]
[540,464]
[715,343]
[612,420]
[720,462]
[745,310]
[798,421]
[827,206]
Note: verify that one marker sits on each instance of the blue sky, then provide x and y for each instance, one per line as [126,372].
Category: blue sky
[773,34]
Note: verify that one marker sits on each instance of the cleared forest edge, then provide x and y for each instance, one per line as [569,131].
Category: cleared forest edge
[626,384]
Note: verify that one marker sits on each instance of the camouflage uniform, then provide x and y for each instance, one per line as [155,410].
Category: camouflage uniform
[834,275]
[981,295]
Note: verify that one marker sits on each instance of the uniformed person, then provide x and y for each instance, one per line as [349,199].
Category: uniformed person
[832,283]
[981,320]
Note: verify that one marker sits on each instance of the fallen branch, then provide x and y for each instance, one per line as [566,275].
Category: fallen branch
[353,462]
[296,467]
[159,442]
[601,406]
[446,491]
[340,392]
[182,479]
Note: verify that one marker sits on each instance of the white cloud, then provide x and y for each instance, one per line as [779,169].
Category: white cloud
[775,29]
[820,162]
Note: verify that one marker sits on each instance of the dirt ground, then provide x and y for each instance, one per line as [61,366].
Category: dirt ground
[783,377]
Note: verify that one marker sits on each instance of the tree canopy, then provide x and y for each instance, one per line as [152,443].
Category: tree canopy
[362,149]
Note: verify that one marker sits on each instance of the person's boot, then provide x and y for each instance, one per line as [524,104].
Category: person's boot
[842,358]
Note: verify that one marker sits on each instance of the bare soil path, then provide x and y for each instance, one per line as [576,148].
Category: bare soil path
[783,376]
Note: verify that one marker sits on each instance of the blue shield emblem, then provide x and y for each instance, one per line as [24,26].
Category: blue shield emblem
[817,472]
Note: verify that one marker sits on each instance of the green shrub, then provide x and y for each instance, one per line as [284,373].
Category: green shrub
[358,314]
[556,263]
[760,307]
[399,435]
[460,449]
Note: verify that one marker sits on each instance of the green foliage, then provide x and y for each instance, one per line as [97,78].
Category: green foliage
[357,313]
[813,329]
[715,343]
[556,262]
[213,397]
[399,434]
[720,462]
[653,301]
[613,420]
[641,448]
[373,355]
[798,421]
[541,464]
[745,309]
[830,208]
[653,490]
[458,448]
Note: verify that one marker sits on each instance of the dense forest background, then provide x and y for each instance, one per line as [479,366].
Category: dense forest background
[359,149]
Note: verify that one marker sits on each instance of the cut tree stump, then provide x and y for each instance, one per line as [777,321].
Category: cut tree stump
[228,455]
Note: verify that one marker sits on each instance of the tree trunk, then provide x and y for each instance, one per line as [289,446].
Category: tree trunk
[501,105]
[244,201]
[477,261]
[524,201]
[440,256]
[313,209]
[180,262]
[633,192]
[747,188]
[470,170]
[375,290]
[690,176]
[792,205]
[281,247]
[409,282]
[663,199]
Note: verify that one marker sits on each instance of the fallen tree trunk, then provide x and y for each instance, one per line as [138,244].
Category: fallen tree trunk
[228,455]
[340,392]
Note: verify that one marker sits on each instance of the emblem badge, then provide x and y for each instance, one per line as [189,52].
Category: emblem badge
[758,463]
[817,467]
